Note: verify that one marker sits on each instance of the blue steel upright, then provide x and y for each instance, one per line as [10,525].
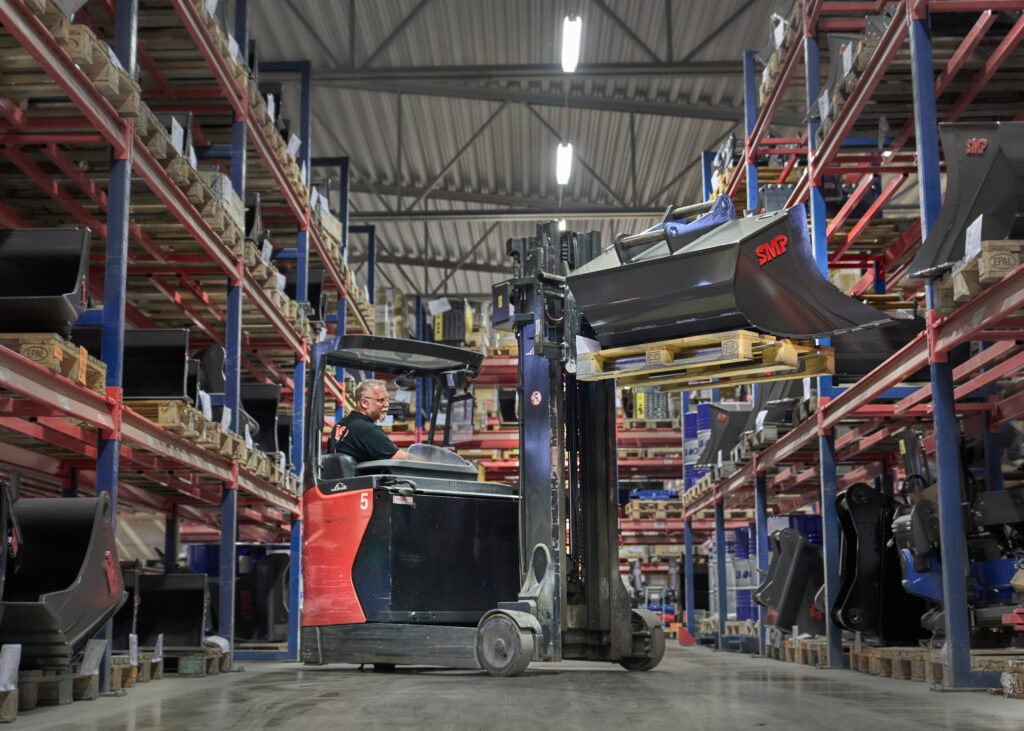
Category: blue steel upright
[707,157]
[761,539]
[954,554]
[750,121]
[691,601]
[723,592]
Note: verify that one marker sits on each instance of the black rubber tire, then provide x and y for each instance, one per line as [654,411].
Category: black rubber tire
[646,662]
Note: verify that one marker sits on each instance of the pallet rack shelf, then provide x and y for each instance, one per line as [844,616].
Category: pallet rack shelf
[77,126]
[946,77]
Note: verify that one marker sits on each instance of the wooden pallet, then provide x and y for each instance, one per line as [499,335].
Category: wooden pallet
[60,356]
[195,663]
[122,673]
[644,424]
[736,357]
[661,509]
[53,688]
[974,275]
[149,669]
[172,414]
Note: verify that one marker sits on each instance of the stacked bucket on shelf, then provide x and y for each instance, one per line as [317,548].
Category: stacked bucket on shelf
[696,432]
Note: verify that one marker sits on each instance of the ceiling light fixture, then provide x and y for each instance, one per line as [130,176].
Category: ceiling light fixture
[572,31]
[561,224]
[563,163]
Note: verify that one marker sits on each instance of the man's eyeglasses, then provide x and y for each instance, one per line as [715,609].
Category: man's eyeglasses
[378,400]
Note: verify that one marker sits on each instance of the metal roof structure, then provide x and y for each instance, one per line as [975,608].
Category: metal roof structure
[450,112]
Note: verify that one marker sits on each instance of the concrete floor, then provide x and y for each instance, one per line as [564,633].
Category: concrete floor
[693,688]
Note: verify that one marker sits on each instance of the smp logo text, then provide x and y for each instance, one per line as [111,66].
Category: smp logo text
[976,146]
[774,248]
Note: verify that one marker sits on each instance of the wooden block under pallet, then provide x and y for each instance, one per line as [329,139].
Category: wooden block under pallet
[60,356]
[197,663]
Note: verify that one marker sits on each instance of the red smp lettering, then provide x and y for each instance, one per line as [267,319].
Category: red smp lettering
[976,146]
[774,248]
[113,584]
[721,417]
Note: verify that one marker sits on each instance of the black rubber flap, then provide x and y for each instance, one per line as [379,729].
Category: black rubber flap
[776,399]
[42,278]
[155,360]
[727,423]
[260,401]
[753,273]
[984,177]
[68,582]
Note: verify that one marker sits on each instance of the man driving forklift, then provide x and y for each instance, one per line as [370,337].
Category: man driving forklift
[357,434]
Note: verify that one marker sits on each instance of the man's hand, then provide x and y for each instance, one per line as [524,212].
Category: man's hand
[400,454]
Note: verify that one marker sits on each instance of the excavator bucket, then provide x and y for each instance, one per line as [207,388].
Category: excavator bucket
[42,278]
[727,423]
[753,273]
[794,575]
[871,598]
[175,606]
[67,582]
[984,177]
[155,360]
[774,404]
[260,401]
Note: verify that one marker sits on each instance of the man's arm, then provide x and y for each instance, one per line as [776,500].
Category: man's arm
[400,454]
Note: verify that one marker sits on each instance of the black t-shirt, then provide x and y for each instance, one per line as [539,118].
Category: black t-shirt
[358,437]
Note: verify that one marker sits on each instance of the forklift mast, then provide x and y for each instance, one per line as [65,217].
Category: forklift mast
[567,460]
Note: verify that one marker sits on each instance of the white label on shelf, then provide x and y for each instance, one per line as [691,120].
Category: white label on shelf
[248,438]
[847,58]
[232,47]
[314,198]
[294,143]
[271,107]
[158,653]
[94,650]
[133,649]
[220,642]
[280,282]
[759,419]
[113,57]
[266,252]
[205,406]
[225,418]
[438,306]
[211,6]
[764,74]
[807,388]
[69,6]
[972,246]
[281,464]
[403,397]
[823,105]
[177,136]
[389,420]
[192,157]
[779,31]
[10,659]
[303,174]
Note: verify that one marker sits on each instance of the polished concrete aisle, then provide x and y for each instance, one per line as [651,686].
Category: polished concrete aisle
[693,688]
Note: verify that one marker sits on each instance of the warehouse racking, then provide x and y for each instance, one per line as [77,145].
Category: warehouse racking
[946,79]
[79,130]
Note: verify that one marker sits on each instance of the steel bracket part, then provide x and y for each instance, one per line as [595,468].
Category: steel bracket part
[115,401]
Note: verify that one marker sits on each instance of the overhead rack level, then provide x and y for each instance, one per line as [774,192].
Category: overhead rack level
[861,125]
[159,166]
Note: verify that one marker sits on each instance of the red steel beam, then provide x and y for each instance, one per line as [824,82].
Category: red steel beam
[988,70]
[875,208]
[200,35]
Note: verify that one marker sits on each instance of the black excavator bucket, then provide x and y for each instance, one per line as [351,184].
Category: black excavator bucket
[155,360]
[42,278]
[262,600]
[727,423]
[794,575]
[871,599]
[753,273]
[858,353]
[984,177]
[210,378]
[260,402]
[777,400]
[174,605]
[316,295]
[67,583]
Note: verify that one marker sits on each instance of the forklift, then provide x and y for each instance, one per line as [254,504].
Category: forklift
[417,562]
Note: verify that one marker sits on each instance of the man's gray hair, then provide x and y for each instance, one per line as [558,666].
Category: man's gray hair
[365,386]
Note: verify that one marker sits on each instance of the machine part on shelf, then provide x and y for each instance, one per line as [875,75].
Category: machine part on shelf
[773,197]
[728,421]
[284,436]
[316,295]
[795,574]
[43,278]
[11,535]
[915,530]
[211,379]
[876,25]
[984,178]
[254,230]
[775,404]
[68,582]
[260,401]
[871,599]
[860,352]
[174,605]
[126,618]
[155,361]
[738,275]
[837,68]
[261,600]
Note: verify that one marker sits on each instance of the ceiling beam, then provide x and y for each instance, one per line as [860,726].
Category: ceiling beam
[396,32]
[504,214]
[530,71]
[444,264]
[552,99]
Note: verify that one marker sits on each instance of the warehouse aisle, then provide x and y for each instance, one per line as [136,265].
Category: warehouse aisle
[692,689]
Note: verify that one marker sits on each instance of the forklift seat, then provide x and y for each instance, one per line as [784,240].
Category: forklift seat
[337,466]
